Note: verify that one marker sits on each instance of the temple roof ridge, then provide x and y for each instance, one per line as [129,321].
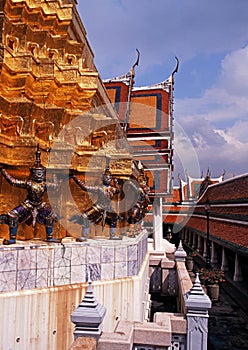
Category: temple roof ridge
[213,179]
[165,85]
[127,78]
[221,183]
[194,187]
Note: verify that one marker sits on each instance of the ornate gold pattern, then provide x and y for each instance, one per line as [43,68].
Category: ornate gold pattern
[47,78]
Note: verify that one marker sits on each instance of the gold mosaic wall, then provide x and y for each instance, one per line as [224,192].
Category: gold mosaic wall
[48,79]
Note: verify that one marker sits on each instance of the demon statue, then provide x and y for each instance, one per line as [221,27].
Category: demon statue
[138,211]
[101,211]
[32,209]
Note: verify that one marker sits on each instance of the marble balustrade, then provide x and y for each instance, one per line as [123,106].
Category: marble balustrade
[35,264]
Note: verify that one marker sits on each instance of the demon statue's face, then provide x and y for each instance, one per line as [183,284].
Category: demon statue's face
[38,175]
[142,181]
[106,179]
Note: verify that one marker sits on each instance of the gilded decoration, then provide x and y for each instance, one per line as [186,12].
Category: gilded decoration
[47,80]
[33,209]
[44,77]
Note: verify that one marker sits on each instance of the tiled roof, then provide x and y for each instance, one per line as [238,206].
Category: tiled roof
[228,212]
[226,231]
[235,189]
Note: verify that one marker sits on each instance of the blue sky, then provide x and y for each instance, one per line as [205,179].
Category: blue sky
[210,38]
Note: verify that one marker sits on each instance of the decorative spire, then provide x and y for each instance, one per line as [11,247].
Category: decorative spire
[89,299]
[130,88]
[37,156]
[140,166]
[196,298]
[88,316]
[180,253]
[134,65]
[208,174]
[107,168]
[205,183]
[176,69]
[37,164]
[197,288]
[128,77]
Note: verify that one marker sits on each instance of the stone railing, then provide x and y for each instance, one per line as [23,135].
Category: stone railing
[187,329]
[184,285]
[193,303]
[151,335]
[84,343]
[31,265]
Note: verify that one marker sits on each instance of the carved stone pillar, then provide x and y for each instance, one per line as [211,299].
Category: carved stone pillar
[185,235]
[205,248]
[194,243]
[224,262]
[189,238]
[199,244]
[182,236]
[214,259]
[237,277]
[157,223]
[197,305]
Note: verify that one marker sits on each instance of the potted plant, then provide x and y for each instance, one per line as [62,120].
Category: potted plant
[190,260]
[211,278]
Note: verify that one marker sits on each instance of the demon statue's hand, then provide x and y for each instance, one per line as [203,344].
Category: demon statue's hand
[118,181]
[72,173]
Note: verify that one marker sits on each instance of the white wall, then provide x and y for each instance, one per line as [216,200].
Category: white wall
[40,319]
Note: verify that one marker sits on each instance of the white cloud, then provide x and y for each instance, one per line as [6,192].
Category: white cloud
[227,99]
[234,75]
[237,133]
[217,122]
[160,29]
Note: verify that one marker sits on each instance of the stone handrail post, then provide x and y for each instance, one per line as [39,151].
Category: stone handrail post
[88,316]
[197,306]
[180,254]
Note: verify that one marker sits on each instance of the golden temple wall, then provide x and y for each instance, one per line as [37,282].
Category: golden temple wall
[51,94]
[47,76]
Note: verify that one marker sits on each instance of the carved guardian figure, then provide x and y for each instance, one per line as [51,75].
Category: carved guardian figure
[32,209]
[101,211]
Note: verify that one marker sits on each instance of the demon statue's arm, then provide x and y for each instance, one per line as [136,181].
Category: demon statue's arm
[12,180]
[101,210]
[83,186]
[33,209]
[117,188]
